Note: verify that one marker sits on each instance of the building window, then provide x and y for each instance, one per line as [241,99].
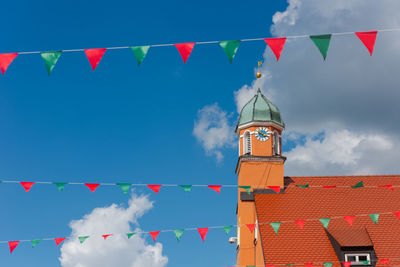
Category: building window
[276,143]
[357,258]
[247,143]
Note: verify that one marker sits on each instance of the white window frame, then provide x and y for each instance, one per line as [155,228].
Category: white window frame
[357,262]
[276,143]
[247,147]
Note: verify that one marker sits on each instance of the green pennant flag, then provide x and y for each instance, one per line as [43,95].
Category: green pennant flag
[50,59]
[275,226]
[82,238]
[290,264]
[178,233]
[227,229]
[35,242]
[328,264]
[303,185]
[365,262]
[60,186]
[124,187]
[325,222]
[358,185]
[322,42]
[129,235]
[374,217]
[140,52]
[186,187]
[230,48]
[247,188]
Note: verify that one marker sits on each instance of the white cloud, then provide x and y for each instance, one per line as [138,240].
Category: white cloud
[350,90]
[117,250]
[213,130]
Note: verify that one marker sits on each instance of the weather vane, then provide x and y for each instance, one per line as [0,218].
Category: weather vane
[258,74]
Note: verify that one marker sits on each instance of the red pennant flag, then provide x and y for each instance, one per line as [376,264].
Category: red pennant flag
[92,187]
[154,187]
[185,49]
[276,45]
[384,261]
[59,240]
[349,219]
[346,263]
[105,236]
[203,232]
[94,56]
[154,234]
[216,188]
[277,189]
[309,264]
[251,226]
[387,186]
[329,186]
[5,61]
[368,39]
[270,265]
[12,245]
[397,213]
[27,185]
[300,223]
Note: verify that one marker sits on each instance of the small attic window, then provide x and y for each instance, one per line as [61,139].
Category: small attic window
[247,143]
[357,258]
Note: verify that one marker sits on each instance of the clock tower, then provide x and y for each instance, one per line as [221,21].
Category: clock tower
[259,168]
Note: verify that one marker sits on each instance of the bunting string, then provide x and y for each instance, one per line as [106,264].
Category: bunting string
[230,48]
[203,231]
[188,187]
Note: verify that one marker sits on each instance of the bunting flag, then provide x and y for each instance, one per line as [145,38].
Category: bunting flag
[358,185]
[387,186]
[276,45]
[12,245]
[129,235]
[59,240]
[230,48]
[178,234]
[106,236]
[251,226]
[384,261]
[397,213]
[303,185]
[227,229]
[27,185]
[365,262]
[349,219]
[154,187]
[187,188]
[92,186]
[82,238]
[50,59]
[35,242]
[277,189]
[346,263]
[374,217]
[275,226]
[140,52]
[328,264]
[325,222]
[322,43]
[329,186]
[203,232]
[154,235]
[310,264]
[368,39]
[216,188]
[300,223]
[6,60]
[94,56]
[60,186]
[124,187]
[185,49]
[247,188]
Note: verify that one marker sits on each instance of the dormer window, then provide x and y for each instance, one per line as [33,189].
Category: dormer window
[358,258]
[247,143]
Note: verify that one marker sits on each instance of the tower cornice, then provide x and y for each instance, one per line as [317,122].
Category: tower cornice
[247,158]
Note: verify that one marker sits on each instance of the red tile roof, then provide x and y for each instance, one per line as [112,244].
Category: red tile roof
[311,244]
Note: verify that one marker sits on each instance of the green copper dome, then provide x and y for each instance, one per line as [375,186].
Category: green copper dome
[259,108]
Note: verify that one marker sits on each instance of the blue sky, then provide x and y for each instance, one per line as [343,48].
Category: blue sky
[120,123]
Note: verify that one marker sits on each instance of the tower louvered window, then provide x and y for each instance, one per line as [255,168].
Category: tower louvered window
[247,143]
[276,143]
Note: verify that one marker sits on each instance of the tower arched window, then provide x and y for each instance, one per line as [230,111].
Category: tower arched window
[247,143]
[276,143]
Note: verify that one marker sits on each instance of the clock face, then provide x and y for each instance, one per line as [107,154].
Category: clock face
[262,133]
